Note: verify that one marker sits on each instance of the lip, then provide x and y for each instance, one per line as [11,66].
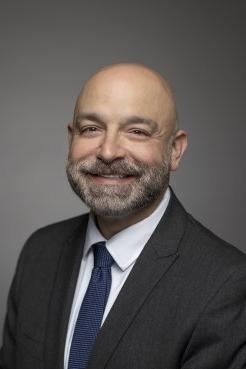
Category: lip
[110,179]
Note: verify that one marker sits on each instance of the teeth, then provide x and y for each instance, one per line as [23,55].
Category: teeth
[111,176]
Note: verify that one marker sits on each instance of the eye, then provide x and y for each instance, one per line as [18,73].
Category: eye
[89,130]
[139,132]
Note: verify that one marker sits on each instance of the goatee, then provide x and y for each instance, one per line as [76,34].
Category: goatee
[116,200]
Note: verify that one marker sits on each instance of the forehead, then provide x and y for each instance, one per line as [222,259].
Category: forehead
[125,92]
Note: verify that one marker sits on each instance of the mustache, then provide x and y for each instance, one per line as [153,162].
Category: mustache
[120,167]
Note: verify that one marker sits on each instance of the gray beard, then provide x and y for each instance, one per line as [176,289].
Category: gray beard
[119,200]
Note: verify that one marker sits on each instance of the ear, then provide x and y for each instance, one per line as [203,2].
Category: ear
[70,132]
[178,148]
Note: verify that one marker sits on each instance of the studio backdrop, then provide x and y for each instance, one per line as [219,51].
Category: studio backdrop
[48,50]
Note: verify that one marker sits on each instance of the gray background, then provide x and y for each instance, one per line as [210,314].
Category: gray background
[48,50]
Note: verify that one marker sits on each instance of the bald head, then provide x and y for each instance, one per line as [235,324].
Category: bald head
[131,84]
[124,142]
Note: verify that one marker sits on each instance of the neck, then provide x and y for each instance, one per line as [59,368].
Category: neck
[109,226]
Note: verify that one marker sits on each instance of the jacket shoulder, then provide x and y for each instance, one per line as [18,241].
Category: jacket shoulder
[65,226]
[54,235]
[208,246]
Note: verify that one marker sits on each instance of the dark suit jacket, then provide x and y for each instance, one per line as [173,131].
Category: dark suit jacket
[182,306]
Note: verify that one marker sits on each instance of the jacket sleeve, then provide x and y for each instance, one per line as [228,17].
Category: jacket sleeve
[219,338]
[8,349]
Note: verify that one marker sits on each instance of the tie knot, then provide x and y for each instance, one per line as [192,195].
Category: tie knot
[102,257]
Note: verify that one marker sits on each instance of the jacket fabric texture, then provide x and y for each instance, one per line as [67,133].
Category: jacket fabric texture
[183,305]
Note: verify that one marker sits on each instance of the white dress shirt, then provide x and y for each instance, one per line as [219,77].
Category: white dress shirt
[124,247]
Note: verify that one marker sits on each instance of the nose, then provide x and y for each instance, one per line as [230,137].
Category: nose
[110,148]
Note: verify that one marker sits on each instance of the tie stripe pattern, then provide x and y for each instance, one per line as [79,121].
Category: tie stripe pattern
[92,308]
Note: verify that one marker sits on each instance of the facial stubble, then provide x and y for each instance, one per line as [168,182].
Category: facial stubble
[117,200]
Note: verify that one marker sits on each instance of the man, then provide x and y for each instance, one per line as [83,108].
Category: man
[138,283]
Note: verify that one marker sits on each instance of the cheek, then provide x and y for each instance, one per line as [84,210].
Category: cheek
[80,149]
[149,154]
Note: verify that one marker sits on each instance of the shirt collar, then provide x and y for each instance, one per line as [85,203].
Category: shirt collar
[126,246]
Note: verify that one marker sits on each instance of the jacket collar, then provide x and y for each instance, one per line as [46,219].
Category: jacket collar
[159,254]
[156,259]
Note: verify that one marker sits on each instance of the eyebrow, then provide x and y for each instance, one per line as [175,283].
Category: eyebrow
[141,120]
[130,120]
[89,116]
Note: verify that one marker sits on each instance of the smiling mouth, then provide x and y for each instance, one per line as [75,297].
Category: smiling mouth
[110,178]
[111,175]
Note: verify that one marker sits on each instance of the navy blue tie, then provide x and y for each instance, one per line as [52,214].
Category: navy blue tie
[92,308]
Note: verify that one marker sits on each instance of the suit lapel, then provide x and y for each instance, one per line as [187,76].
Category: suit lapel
[157,257]
[62,296]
